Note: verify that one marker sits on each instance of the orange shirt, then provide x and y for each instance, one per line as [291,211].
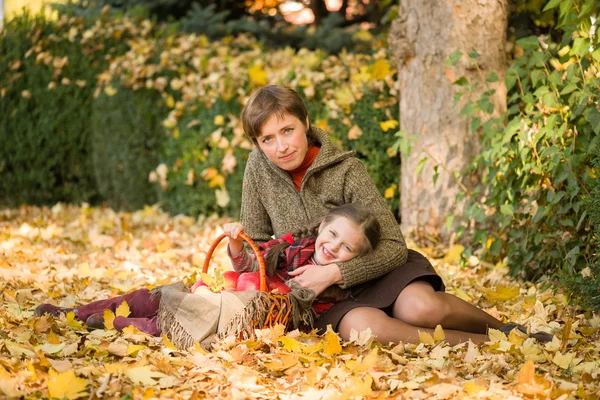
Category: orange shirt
[298,174]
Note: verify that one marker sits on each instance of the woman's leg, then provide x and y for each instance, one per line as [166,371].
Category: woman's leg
[387,329]
[139,301]
[420,305]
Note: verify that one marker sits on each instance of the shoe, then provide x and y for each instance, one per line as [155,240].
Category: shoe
[53,310]
[542,337]
[95,321]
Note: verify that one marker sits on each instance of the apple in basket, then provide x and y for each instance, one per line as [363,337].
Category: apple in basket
[248,281]
[230,280]
[200,287]
[251,281]
[279,287]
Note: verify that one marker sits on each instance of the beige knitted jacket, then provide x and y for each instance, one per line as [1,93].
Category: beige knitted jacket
[272,206]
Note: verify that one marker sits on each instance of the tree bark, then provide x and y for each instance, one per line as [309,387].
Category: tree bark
[424,35]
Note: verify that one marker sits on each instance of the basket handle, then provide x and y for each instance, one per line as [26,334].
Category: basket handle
[262,269]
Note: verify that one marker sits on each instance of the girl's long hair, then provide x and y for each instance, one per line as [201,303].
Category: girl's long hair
[364,219]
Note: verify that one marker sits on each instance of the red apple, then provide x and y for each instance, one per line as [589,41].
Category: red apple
[248,281]
[199,287]
[279,286]
[230,280]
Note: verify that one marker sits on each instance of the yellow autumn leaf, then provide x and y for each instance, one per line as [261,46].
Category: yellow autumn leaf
[390,191]
[389,124]
[454,254]
[144,375]
[258,76]
[364,364]
[438,334]
[531,384]
[501,293]
[217,181]
[209,173]
[110,91]
[313,348]
[219,120]
[290,344]
[66,385]
[321,123]
[592,172]
[133,349]
[472,388]
[53,339]
[170,101]
[282,362]
[358,387]
[496,336]
[355,132]
[109,319]
[123,310]
[168,344]
[461,294]
[381,70]
[332,343]
[426,338]
[344,97]
[565,361]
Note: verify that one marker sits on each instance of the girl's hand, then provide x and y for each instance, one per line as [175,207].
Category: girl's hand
[232,230]
[317,277]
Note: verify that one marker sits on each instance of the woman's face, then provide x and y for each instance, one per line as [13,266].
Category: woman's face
[284,142]
[338,241]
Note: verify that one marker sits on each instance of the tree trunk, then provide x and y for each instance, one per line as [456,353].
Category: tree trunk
[424,35]
[319,9]
[1,15]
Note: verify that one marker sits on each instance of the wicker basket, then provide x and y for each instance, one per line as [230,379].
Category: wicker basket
[280,306]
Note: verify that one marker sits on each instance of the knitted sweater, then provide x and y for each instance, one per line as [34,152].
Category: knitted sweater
[272,206]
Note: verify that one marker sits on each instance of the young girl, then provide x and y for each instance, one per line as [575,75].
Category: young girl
[295,175]
[346,232]
[343,234]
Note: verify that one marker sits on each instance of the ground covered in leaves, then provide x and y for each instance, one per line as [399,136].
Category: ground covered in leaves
[73,255]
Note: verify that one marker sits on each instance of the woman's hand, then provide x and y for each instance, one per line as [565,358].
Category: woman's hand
[317,277]
[232,230]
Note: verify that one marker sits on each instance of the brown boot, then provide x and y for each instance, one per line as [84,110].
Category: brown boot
[53,310]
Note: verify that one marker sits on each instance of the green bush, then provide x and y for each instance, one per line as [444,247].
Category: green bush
[586,284]
[536,158]
[125,143]
[46,98]
[45,93]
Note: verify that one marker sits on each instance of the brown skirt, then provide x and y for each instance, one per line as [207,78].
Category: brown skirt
[381,293]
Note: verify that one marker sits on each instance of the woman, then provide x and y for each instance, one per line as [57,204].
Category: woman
[293,177]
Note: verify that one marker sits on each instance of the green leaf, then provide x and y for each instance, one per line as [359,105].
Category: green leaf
[449,222]
[462,81]
[436,174]
[421,164]
[493,78]
[580,47]
[529,43]
[507,209]
[569,88]
[552,4]
[453,59]
[536,76]
[474,54]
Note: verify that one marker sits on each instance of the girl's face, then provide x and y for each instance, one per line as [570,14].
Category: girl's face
[284,141]
[338,241]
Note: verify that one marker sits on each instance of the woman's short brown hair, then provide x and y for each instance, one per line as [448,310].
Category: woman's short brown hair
[268,101]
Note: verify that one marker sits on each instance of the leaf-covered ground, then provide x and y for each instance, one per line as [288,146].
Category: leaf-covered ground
[72,255]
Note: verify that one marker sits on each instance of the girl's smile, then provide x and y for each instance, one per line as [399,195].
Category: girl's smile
[340,240]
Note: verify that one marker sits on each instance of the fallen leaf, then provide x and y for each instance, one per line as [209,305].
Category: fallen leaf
[66,385]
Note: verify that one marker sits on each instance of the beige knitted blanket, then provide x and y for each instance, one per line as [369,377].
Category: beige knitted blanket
[187,318]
